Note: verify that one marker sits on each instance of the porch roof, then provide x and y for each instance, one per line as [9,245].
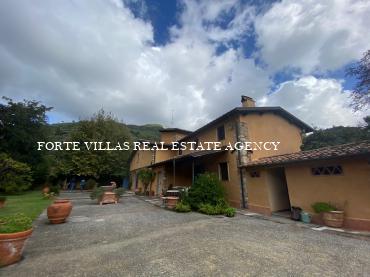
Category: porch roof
[324,153]
[190,156]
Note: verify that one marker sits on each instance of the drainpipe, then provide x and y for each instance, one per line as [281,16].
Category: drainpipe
[237,130]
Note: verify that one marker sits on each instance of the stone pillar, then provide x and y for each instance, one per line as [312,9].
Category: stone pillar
[244,157]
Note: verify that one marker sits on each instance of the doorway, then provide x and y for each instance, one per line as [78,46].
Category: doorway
[278,191]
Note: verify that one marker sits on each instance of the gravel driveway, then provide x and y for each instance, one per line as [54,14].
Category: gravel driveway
[135,238]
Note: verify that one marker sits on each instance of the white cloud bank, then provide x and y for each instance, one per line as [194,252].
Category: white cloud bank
[314,35]
[80,56]
[321,102]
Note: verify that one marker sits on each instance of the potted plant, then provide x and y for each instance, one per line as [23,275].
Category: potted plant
[331,216]
[146,176]
[59,211]
[97,193]
[2,201]
[14,231]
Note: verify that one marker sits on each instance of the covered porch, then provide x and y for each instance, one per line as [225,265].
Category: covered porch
[182,170]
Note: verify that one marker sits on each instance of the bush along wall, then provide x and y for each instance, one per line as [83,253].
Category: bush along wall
[206,195]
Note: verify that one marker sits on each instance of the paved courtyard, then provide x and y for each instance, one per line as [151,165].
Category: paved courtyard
[135,238]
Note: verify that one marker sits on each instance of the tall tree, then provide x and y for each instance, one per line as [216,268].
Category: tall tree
[102,127]
[361,92]
[22,125]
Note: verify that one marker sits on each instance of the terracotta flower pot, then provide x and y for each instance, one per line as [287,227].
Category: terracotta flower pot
[59,211]
[108,198]
[333,219]
[46,190]
[171,202]
[2,203]
[11,246]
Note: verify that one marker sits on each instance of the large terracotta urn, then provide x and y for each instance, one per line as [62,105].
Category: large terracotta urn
[59,211]
[11,246]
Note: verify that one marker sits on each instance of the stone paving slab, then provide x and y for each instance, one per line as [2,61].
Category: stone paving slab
[135,238]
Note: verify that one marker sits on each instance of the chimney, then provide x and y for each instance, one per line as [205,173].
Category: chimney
[247,102]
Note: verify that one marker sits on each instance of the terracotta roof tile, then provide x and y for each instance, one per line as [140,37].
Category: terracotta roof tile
[344,150]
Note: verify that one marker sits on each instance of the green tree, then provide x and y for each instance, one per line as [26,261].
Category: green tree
[361,92]
[22,125]
[102,127]
[146,176]
[14,176]
[336,135]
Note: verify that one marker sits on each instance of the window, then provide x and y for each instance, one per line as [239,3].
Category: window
[224,171]
[327,170]
[221,133]
[255,174]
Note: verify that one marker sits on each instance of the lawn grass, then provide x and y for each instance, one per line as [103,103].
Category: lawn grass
[30,203]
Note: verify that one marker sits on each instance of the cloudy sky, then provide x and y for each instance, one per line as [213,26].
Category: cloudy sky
[146,60]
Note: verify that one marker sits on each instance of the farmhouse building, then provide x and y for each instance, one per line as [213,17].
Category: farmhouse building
[264,181]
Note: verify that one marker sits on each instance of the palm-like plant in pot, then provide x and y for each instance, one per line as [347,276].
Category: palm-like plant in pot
[146,176]
[14,231]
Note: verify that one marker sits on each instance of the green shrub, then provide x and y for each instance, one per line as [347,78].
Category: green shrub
[183,195]
[220,208]
[119,192]
[97,193]
[321,207]
[230,212]
[210,209]
[207,189]
[15,223]
[182,207]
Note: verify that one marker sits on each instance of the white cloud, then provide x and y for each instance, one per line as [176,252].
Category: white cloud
[201,20]
[313,35]
[318,102]
[80,56]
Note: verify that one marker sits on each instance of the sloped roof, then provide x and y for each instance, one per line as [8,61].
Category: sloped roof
[175,130]
[259,110]
[329,152]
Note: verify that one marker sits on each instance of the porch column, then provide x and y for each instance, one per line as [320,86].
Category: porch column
[192,173]
[174,172]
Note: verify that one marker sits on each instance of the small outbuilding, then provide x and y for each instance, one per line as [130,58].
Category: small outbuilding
[338,174]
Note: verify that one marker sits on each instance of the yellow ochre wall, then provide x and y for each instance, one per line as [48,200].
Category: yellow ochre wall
[271,127]
[258,193]
[141,159]
[169,137]
[350,191]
